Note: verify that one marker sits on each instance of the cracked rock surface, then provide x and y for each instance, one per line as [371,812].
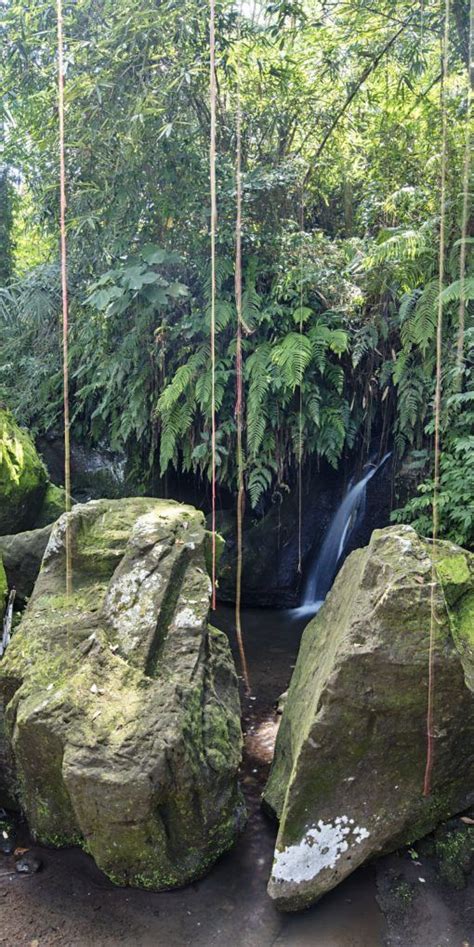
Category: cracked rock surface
[347,777]
[120,702]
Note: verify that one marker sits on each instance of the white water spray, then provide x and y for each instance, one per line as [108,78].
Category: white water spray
[348,515]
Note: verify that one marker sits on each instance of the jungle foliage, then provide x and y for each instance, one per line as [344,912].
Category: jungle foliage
[341,171]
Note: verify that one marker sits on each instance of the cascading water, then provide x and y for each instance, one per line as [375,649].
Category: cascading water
[322,574]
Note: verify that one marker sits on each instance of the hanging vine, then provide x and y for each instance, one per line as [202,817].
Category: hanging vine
[64,294]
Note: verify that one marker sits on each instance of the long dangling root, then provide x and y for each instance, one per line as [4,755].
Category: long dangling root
[437,406]
[465,205]
[239,387]
[300,406]
[212,175]
[65,308]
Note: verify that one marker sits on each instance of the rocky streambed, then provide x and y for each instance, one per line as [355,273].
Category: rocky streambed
[384,905]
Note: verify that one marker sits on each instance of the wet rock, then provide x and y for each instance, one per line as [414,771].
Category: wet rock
[28,864]
[7,834]
[22,554]
[7,843]
[23,476]
[347,778]
[454,850]
[121,700]
[95,472]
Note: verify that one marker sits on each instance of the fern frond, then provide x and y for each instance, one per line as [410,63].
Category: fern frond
[258,372]
[419,325]
[182,378]
[292,356]
[459,289]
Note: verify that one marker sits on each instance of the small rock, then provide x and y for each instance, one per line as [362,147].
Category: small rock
[28,864]
[7,834]
[7,842]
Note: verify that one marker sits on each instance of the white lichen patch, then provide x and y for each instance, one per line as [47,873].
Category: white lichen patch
[146,530]
[320,848]
[186,618]
[132,606]
[406,545]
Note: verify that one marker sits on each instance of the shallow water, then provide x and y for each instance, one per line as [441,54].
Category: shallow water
[71,903]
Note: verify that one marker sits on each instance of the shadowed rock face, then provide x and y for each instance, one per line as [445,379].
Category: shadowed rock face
[3,589]
[347,777]
[22,554]
[121,702]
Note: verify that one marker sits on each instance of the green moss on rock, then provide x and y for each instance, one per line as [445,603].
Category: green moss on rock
[454,849]
[121,703]
[52,507]
[23,476]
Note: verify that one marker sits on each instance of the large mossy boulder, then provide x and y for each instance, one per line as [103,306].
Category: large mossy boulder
[348,773]
[121,701]
[23,476]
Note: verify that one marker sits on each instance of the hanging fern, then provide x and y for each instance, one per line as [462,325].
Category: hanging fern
[259,481]
[258,371]
[457,290]
[418,317]
[292,356]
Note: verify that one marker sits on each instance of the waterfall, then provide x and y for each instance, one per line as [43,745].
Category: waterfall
[349,513]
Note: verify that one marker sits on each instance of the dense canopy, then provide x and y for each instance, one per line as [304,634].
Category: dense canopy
[342,151]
